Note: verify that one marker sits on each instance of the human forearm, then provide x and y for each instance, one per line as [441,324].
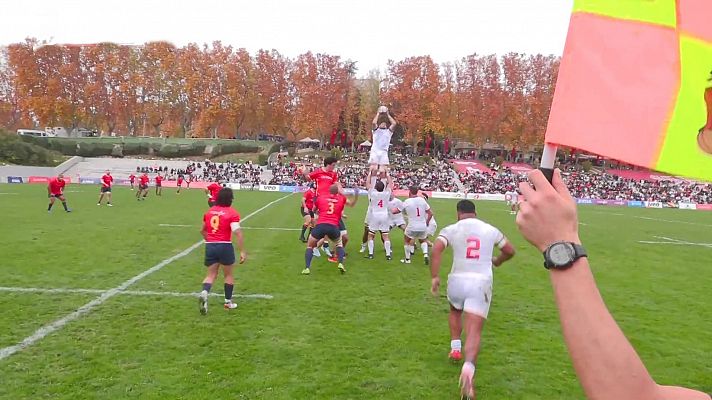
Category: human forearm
[606,363]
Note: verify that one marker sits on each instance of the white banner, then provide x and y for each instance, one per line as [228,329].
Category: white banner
[653,204]
[269,188]
[448,195]
[233,186]
[486,196]
[687,206]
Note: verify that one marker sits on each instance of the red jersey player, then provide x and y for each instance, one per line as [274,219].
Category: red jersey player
[307,210]
[142,187]
[331,209]
[219,223]
[106,182]
[159,184]
[212,191]
[324,178]
[179,183]
[132,179]
[55,190]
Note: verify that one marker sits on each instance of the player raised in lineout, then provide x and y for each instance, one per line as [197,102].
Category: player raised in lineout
[383,126]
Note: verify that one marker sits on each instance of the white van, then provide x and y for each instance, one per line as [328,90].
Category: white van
[35,133]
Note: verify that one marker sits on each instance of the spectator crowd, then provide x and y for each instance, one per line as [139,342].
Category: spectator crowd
[437,174]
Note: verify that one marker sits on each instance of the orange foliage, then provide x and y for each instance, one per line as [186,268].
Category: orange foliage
[218,91]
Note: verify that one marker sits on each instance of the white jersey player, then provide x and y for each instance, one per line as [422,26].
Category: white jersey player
[419,215]
[396,220]
[372,180]
[469,285]
[512,199]
[383,126]
[379,195]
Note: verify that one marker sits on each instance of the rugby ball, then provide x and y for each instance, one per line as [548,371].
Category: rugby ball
[382,109]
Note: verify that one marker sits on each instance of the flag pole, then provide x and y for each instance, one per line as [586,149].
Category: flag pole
[548,159]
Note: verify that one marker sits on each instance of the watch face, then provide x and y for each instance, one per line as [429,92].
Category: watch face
[561,253]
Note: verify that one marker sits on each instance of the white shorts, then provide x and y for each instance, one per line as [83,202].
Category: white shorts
[471,293]
[379,223]
[378,157]
[419,233]
[432,228]
[397,220]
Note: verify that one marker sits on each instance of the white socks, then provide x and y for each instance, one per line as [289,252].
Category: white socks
[387,245]
[407,252]
[370,247]
[456,345]
[424,247]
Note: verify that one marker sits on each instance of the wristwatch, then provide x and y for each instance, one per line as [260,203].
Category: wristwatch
[562,255]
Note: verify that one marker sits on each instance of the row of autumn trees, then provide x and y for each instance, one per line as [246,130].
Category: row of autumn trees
[219,91]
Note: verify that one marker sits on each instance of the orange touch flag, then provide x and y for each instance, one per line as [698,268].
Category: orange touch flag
[635,84]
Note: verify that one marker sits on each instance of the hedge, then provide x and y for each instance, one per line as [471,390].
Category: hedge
[24,152]
[98,147]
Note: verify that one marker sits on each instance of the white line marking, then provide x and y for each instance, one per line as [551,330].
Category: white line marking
[129,292]
[177,226]
[654,219]
[667,240]
[54,326]
[671,220]
[9,193]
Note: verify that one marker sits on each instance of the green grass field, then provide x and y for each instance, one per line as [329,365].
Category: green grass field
[373,333]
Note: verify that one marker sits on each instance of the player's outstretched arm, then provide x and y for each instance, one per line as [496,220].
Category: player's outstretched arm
[430,215]
[393,122]
[435,259]
[375,120]
[352,201]
[606,364]
[368,179]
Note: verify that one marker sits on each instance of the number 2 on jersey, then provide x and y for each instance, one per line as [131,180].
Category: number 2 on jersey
[473,248]
[215,223]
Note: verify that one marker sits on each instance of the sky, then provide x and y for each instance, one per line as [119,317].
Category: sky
[367,31]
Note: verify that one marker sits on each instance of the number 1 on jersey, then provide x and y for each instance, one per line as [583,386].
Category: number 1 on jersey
[473,248]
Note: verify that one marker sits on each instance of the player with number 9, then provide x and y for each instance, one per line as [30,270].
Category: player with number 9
[219,224]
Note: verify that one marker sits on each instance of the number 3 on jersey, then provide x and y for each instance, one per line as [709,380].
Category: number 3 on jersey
[331,209]
[215,223]
[473,248]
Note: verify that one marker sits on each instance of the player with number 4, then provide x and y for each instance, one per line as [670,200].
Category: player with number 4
[469,285]
[383,126]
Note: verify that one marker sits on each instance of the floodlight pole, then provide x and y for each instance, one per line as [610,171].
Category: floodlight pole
[548,159]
